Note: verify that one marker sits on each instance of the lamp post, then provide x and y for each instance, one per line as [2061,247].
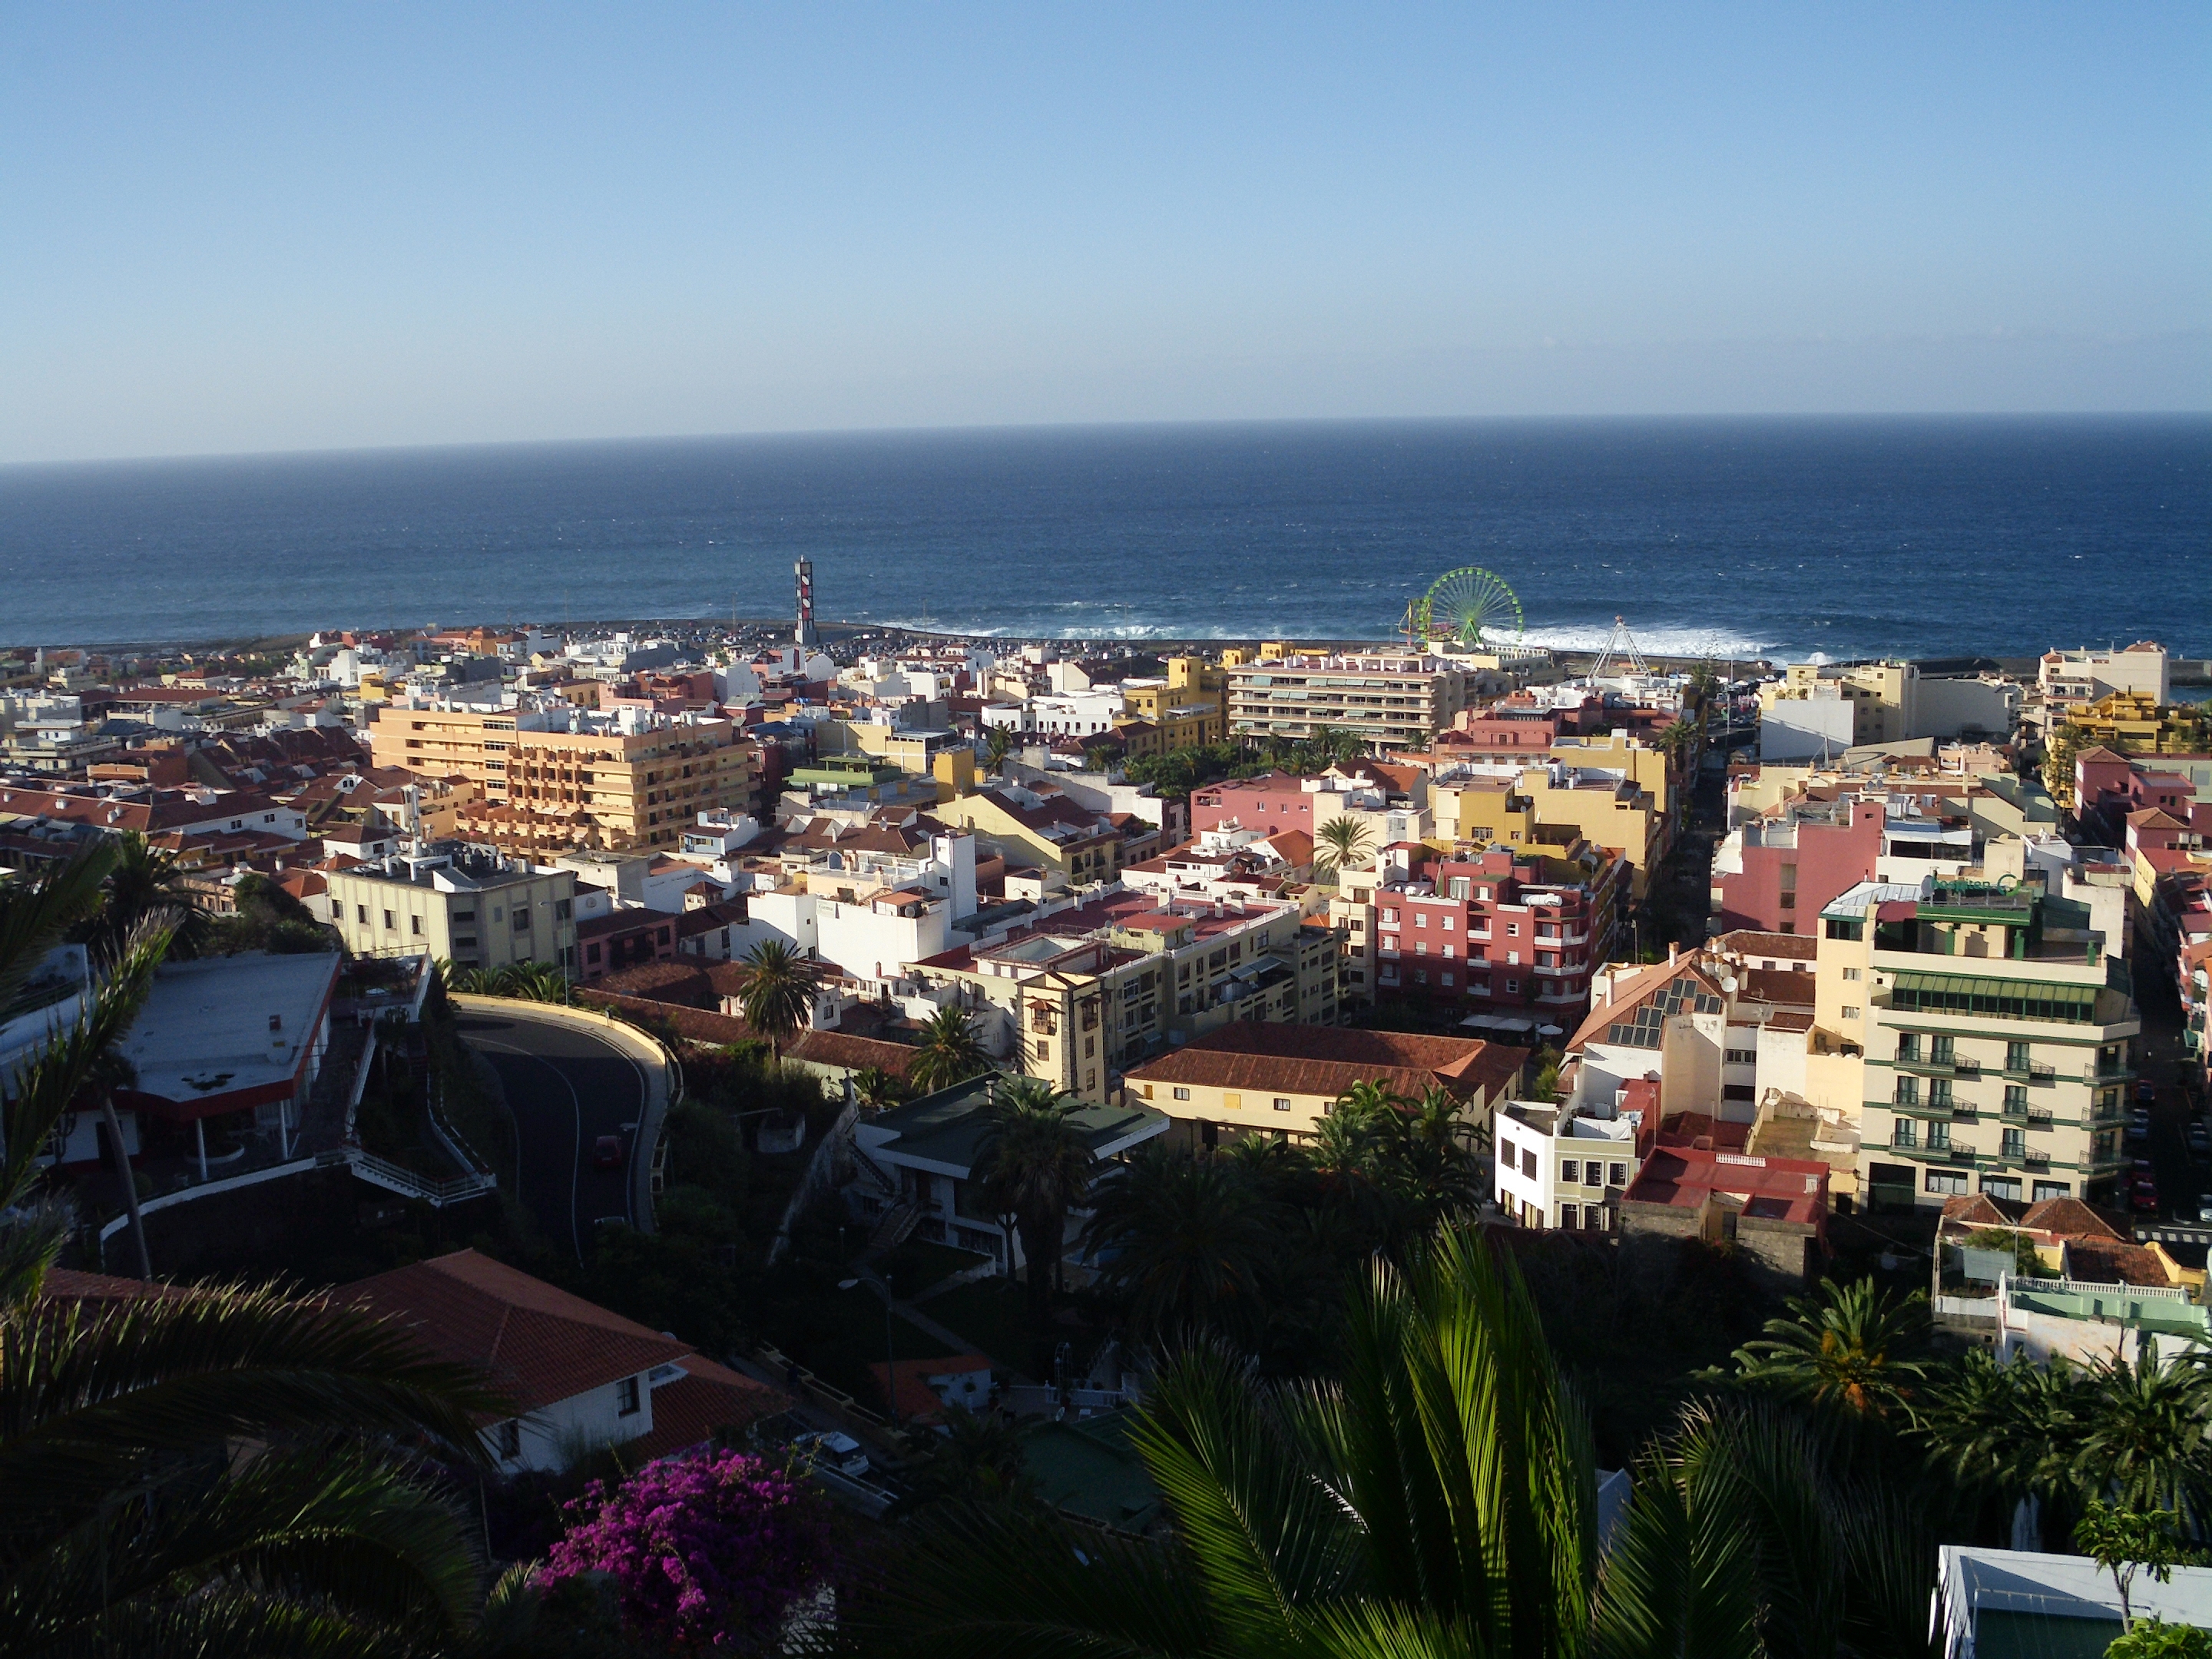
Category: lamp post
[882,1287]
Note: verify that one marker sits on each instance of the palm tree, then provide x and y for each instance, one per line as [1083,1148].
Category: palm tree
[146,881]
[2008,1429]
[998,743]
[1440,1499]
[1744,1542]
[875,1088]
[775,989]
[1035,1165]
[2144,1435]
[1187,1241]
[950,1052]
[1344,841]
[130,1526]
[1853,1348]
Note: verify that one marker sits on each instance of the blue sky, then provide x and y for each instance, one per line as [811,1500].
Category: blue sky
[301,227]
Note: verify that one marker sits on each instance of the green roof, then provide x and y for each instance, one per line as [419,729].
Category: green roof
[946,1127]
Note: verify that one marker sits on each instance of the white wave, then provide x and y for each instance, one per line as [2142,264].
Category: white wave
[1678,641]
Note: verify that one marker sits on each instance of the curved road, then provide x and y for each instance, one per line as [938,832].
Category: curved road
[566,1087]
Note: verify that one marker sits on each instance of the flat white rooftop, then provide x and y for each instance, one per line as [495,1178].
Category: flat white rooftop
[227,1024]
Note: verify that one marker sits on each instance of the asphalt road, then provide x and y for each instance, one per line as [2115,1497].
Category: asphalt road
[566,1087]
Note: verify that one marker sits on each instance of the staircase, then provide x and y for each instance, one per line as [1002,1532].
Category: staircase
[896,1227]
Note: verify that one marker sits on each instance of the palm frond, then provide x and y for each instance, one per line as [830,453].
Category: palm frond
[1272,1543]
[88,1395]
[34,916]
[1677,1582]
[45,1086]
[990,1584]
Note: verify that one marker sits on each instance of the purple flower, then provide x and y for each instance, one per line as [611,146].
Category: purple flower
[706,1553]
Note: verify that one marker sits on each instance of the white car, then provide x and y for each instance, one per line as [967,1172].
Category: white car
[833,1450]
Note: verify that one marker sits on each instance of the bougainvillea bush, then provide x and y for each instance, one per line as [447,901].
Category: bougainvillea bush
[706,1553]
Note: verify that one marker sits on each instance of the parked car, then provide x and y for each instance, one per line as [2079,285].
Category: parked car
[2146,1091]
[2144,1195]
[833,1450]
[607,1152]
[2200,1138]
[2205,1208]
[2138,1130]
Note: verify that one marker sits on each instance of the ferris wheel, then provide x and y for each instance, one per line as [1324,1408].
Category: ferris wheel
[1470,606]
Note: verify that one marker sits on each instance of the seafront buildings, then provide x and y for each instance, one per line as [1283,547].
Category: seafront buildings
[1914,967]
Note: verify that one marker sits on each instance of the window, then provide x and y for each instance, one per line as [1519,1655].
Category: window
[1908,1048]
[360,914]
[1939,1137]
[1740,1056]
[1044,1049]
[626,1396]
[2015,1097]
[2043,1189]
[415,925]
[1420,918]
[1850,1012]
[1512,987]
[1448,979]
[460,915]
[1593,1173]
[1444,922]
[388,921]
[1616,1175]
[1570,1173]
[2016,1057]
[1282,1102]
[1947,1181]
[510,1439]
[1849,972]
[522,919]
[1512,929]
[1850,930]
[2015,1143]
[1903,1134]
[1569,1218]
[1529,1162]
[1942,1051]
[1939,1092]
[1183,1094]
[563,908]
[2005,1187]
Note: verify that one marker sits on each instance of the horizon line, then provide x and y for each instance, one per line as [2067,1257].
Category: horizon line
[1214,423]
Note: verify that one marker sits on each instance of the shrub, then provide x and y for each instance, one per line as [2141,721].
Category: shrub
[713,1553]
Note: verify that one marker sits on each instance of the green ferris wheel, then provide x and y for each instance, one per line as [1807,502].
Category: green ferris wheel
[1470,606]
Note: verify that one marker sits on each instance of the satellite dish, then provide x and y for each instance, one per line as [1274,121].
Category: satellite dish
[1728,984]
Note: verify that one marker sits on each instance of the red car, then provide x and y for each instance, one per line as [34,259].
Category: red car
[2144,1195]
[607,1152]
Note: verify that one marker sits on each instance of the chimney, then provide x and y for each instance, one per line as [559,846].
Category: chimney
[1674,951]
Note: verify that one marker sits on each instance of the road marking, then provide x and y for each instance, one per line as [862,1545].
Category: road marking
[576,1151]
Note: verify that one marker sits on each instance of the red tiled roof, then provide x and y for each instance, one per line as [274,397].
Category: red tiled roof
[1774,1188]
[1326,1060]
[917,1400]
[1753,942]
[708,1399]
[539,1344]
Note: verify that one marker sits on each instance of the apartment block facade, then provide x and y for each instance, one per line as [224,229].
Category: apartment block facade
[1391,699]
[1995,1036]
[472,911]
[634,780]
[1094,989]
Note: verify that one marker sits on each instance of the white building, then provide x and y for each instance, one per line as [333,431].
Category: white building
[1563,1168]
[582,1378]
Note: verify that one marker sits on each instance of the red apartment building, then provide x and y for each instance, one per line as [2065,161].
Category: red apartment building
[1491,935]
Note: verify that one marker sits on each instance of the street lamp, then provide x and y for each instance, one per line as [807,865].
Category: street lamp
[882,1287]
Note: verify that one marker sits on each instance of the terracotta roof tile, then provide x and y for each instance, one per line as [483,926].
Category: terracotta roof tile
[1325,1060]
[539,1344]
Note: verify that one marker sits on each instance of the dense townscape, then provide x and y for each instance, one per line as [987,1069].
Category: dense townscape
[630,1138]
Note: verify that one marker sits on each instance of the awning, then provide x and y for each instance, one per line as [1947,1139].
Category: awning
[1976,994]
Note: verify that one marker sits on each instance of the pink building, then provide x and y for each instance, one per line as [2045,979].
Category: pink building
[1792,869]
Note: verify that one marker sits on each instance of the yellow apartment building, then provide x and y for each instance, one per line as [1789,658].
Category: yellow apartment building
[631,783]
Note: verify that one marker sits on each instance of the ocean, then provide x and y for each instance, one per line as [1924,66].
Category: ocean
[1781,537]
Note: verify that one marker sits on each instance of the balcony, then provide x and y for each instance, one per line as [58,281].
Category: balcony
[2035,1158]
[2034,1072]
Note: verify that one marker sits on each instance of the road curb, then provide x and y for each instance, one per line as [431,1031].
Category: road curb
[662,1069]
